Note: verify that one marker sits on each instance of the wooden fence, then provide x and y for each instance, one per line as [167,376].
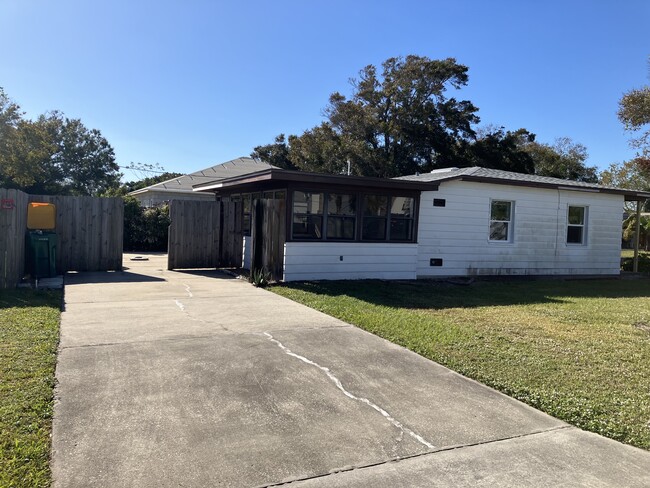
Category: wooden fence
[269,234]
[89,233]
[204,234]
[13,223]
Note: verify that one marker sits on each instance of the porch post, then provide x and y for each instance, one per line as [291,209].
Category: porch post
[637,232]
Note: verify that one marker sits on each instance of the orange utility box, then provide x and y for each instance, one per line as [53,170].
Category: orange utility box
[41,216]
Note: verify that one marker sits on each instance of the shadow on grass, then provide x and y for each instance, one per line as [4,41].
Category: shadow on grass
[440,295]
[25,297]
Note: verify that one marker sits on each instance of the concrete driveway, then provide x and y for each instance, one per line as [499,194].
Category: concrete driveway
[171,379]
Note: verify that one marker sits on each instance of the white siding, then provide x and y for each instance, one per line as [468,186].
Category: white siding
[246,252]
[349,261]
[458,232]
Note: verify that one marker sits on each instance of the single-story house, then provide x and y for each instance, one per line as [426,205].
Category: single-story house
[181,188]
[450,222]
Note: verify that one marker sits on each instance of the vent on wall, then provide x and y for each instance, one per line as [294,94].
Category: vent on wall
[435,262]
[439,202]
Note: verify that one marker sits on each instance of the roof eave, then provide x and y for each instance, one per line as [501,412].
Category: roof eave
[314,178]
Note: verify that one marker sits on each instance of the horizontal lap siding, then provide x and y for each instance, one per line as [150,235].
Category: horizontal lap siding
[458,232]
[322,261]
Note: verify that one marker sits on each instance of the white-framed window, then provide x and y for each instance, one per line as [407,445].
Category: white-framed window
[576,228]
[501,220]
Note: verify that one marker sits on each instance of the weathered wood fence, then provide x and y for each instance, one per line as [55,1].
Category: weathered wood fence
[204,234]
[268,230]
[89,233]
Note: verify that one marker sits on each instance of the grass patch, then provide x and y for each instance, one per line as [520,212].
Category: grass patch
[29,334]
[578,350]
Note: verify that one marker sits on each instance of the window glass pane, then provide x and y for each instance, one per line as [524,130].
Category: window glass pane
[576,215]
[374,229]
[307,203]
[340,228]
[574,235]
[341,204]
[268,194]
[307,227]
[280,195]
[402,207]
[499,231]
[375,205]
[247,203]
[401,229]
[500,210]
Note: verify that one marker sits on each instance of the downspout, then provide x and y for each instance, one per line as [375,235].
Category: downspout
[637,232]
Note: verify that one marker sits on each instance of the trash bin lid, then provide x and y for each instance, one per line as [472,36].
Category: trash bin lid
[41,216]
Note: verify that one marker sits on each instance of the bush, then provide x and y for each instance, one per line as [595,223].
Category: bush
[145,229]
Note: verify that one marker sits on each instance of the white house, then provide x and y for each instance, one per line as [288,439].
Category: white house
[450,222]
[181,188]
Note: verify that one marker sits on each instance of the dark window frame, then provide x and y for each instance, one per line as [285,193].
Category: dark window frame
[359,194]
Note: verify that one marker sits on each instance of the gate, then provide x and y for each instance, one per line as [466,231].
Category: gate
[268,231]
[204,234]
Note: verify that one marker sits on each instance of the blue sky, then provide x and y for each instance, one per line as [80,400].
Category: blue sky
[188,84]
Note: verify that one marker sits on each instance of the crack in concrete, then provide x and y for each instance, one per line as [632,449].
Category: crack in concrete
[363,400]
[412,456]
[188,290]
[179,305]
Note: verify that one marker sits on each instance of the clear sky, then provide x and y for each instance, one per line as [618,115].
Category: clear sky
[188,84]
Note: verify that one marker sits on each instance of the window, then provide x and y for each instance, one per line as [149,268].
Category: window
[350,217]
[401,218]
[247,208]
[341,216]
[307,215]
[501,220]
[375,211]
[576,225]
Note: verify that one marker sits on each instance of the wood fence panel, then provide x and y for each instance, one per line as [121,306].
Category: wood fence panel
[269,234]
[194,234]
[89,232]
[13,223]
[204,234]
[232,238]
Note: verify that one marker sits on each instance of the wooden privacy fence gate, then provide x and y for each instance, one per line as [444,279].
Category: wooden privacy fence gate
[204,235]
[89,233]
[268,231]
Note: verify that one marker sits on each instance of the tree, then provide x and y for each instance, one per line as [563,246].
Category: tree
[634,113]
[53,154]
[633,175]
[394,124]
[564,159]
[499,149]
[276,154]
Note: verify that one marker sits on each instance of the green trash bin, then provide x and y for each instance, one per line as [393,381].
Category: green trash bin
[41,254]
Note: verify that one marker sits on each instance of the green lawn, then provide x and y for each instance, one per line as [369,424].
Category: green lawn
[29,334]
[579,350]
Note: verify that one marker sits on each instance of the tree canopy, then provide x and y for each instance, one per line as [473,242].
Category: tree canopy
[53,154]
[634,113]
[407,119]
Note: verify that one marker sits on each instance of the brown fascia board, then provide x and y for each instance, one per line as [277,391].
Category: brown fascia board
[630,195]
[279,175]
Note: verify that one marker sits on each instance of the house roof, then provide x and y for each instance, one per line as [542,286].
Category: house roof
[486,175]
[277,175]
[229,169]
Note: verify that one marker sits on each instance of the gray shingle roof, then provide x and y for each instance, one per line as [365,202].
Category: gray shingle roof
[479,173]
[229,169]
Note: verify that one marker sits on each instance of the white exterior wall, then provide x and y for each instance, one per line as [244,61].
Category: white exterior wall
[322,261]
[247,243]
[458,232]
